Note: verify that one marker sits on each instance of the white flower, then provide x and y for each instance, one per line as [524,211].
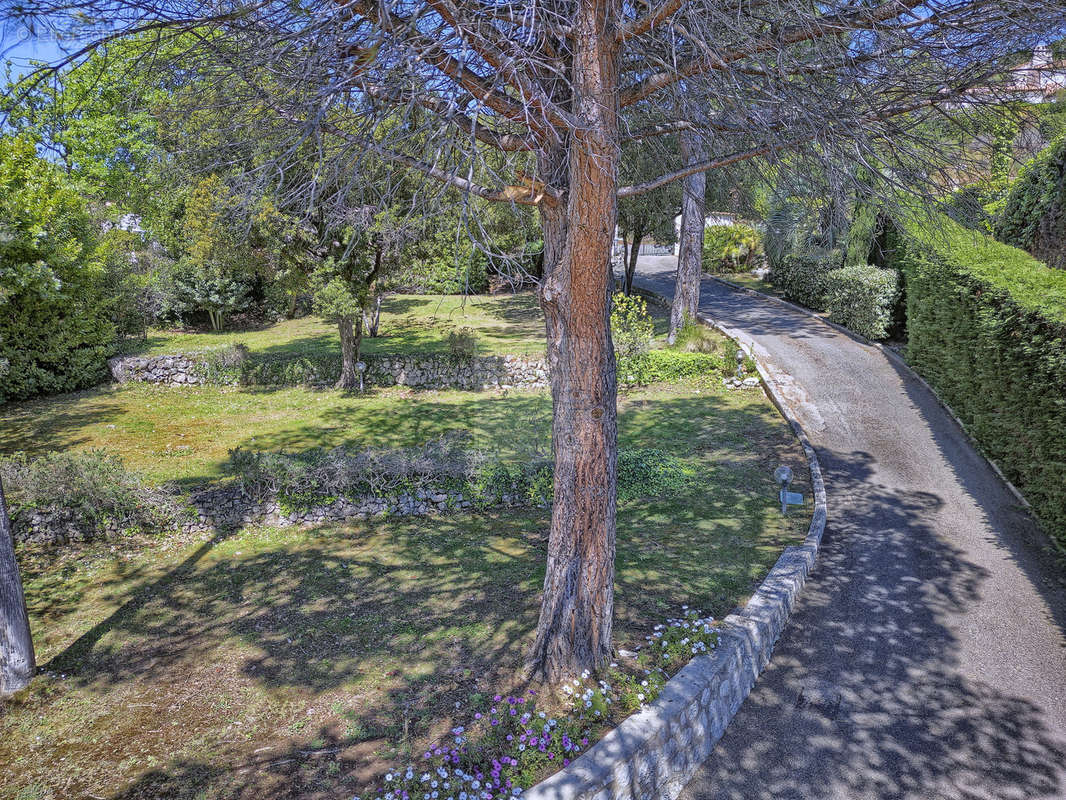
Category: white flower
[388,777]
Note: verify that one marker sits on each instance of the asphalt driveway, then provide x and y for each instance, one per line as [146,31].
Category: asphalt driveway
[926,657]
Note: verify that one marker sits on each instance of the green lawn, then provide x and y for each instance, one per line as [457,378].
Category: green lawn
[409,323]
[503,324]
[750,281]
[301,663]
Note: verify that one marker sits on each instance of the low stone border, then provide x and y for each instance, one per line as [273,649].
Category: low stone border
[654,753]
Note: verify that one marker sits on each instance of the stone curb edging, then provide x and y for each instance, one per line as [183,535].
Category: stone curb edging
[654,753]
[895,357]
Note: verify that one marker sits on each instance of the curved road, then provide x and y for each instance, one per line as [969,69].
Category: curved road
[926,657]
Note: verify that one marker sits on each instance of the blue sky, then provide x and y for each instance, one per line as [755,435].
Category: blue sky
[18,46]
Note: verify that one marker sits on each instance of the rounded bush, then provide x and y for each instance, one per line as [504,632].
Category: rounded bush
[803,276]
[862,299]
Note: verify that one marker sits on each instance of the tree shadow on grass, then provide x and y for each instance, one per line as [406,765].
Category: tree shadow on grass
[318,614]
[864,696]
[35,425]
[393,630]
[505,421]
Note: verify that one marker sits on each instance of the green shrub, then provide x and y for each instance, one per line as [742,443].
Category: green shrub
[442,463]
[441,262]
[671,365]
[319,369]
[632,329]
[977,206]
[320,476]
[530,480]
[1034,214]
[55,326]
[652,473]
[986,326]
[93,486]
[803,276]
[224,364]
[730,248]
[462,344]
[862,298]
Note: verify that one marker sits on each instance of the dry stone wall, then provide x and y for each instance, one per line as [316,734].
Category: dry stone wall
[226,507]
[422,372]
[176,369]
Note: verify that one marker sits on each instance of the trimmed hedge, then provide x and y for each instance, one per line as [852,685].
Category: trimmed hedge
[862,299]
[987,328]
[803,276]
[1034,215]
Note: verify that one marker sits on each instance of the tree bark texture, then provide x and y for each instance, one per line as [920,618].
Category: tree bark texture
[351,331]
[574,630]
[690,247]
[634,254]
[17,664]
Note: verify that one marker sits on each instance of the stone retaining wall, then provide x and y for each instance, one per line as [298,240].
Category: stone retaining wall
[423,372]
[228,507]
[176,369]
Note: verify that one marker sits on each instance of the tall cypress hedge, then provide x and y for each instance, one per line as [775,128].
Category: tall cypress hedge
[1034,214]
[986,327]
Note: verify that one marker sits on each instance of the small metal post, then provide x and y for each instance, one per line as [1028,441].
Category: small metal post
[361,366]
[783,476]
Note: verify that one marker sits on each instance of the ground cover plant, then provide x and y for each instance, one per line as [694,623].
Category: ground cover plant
[310,663]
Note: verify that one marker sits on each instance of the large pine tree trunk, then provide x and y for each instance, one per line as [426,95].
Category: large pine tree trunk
[17,664]
[351,330]
[574,631]
[690,249]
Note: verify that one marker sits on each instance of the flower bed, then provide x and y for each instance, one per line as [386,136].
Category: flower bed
[517,740]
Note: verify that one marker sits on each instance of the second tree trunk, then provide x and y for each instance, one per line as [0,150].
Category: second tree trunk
[690,247]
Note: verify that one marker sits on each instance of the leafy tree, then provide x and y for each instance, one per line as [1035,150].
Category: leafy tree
[343,281]
[645,215]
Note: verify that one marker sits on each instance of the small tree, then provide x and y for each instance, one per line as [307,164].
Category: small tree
[342,283]
[651,214]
